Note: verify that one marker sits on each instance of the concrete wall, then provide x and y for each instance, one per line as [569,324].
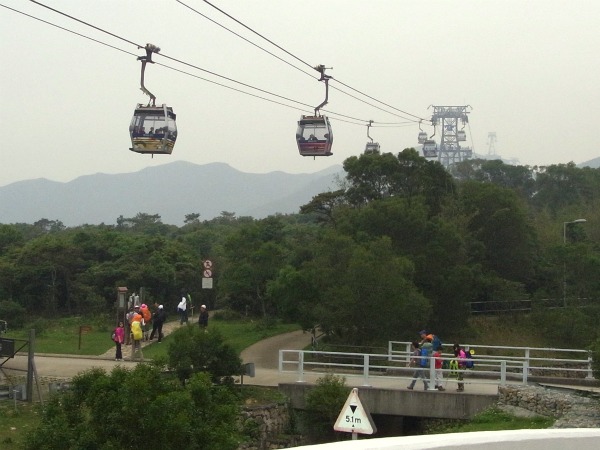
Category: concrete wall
[434,404]
[556,439]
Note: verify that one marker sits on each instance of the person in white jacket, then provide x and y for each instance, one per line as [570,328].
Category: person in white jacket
[182,309]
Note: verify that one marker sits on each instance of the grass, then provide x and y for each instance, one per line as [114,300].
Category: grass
[494,419]
[15,421]
[63,335]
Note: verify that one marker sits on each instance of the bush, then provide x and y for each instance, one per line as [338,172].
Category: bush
[13,313]
[324,403]
[194,350]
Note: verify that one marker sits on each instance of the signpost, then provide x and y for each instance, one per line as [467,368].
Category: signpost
[207,273]
[354,418]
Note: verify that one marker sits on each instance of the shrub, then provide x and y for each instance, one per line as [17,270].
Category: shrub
[324,403]
[193,350]
[13,313]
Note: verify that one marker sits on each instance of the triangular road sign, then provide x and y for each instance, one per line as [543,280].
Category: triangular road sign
[354,418]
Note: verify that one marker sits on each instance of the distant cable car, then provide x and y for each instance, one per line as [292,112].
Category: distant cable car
[461,136]
[429,149]
[152,129]
[371,147]
[314,135]
[422,135]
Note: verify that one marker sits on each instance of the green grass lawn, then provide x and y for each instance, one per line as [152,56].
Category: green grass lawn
[494,419]
[15,421]
[63,336]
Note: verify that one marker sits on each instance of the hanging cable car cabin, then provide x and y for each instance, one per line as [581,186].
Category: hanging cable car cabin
[429,149]
[422,137]
[153,130]
[461,136]
[372,148]
[314,136]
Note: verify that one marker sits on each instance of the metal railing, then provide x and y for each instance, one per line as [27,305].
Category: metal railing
[488,369]
[528,360]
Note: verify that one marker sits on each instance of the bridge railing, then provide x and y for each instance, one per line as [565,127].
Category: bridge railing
[536,361]
[488,369]
[371,366]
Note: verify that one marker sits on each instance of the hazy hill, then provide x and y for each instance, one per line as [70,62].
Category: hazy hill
[592,163]
[170,190]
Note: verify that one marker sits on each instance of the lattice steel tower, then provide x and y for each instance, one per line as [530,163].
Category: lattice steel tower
[448,119]
[491,141]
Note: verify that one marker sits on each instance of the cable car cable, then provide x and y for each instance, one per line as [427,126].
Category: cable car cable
[275,56]
[176,60]
[302,61]
[245,39]
[256,32]
[70,31]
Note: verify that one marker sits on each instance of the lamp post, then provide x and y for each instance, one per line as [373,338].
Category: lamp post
[564,261]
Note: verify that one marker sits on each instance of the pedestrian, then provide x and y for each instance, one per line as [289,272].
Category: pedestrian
[159,319]
[182,309]
[137,333]
[153,332]
[128,318]
[119,338]
[439,374]
[461,356]
[203,317]
[416,361]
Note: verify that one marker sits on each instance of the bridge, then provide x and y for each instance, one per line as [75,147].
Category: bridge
[382,379]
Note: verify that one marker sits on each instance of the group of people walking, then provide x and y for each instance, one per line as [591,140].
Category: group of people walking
[138,320]
[136,328]
[429,351]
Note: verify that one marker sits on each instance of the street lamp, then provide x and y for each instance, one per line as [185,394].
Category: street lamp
[564,261]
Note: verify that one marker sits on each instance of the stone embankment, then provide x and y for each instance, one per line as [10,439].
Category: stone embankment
[571,409]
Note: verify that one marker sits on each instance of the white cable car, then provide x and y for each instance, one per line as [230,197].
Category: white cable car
[153,130]
[429,149]
[314,136]
[422,137]
[461,136]
[371,147]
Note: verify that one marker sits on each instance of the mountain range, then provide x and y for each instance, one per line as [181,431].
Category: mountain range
[171,190]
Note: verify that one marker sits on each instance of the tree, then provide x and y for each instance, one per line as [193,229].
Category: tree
[137,408]
[192,350]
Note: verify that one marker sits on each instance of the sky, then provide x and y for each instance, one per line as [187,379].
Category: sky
[530,72]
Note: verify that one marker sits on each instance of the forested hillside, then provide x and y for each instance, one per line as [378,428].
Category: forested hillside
[402,245]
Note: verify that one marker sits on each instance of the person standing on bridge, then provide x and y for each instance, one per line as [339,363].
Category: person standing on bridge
[415,361]
[461,356]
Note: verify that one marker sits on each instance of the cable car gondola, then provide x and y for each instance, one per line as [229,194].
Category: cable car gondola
[461,136]
[429,149]
[422,135]
[371,147]
[314,135]
[153,129]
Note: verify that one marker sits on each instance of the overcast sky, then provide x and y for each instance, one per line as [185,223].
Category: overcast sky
[530,70]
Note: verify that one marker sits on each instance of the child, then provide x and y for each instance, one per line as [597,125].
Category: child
[439,375]
[119,338]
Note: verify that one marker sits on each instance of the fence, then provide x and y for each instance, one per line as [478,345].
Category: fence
[492,364]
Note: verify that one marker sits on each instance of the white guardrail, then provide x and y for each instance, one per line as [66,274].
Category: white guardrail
[517,363]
